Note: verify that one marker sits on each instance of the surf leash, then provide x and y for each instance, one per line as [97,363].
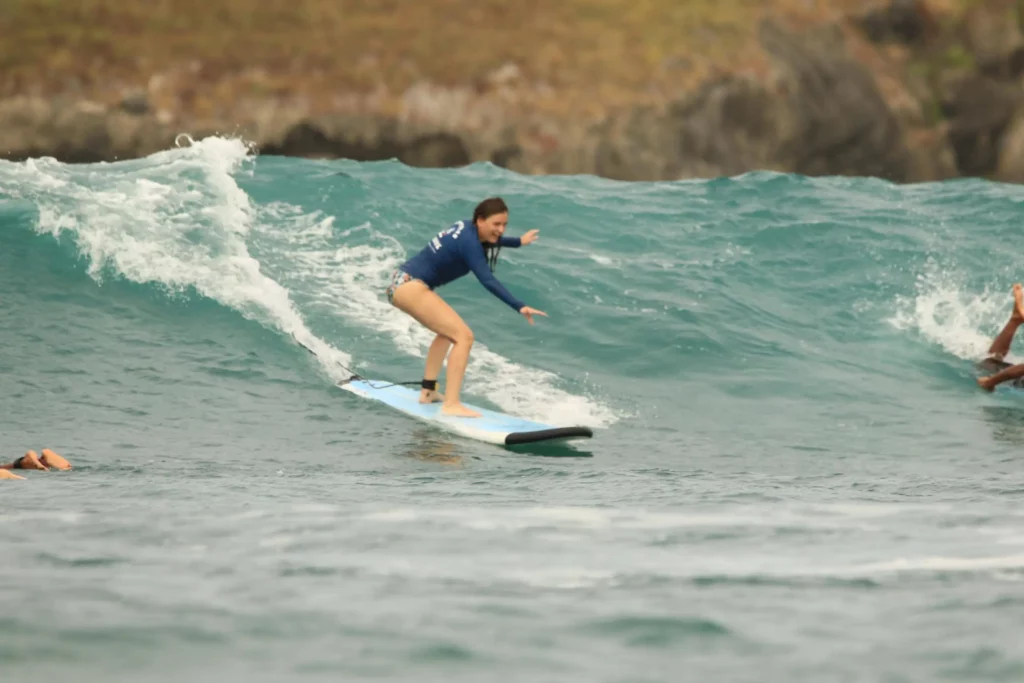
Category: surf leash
[356,376]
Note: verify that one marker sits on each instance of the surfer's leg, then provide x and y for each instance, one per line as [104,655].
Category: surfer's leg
[1001,344]
[1010,373]
[435,359]
[423,304]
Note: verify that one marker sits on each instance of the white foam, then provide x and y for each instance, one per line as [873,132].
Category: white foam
[567,578]
[64,517]
[176,219]
[573,568]
[580,518]
[963,323]
[947,564]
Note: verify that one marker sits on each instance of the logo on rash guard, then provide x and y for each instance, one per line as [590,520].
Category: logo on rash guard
[454,231]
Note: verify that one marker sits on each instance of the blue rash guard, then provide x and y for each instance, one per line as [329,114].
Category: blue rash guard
[454,252]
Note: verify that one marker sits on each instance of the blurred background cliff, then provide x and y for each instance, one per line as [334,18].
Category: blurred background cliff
[910,90]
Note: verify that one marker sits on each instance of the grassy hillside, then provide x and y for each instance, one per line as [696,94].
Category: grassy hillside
[589,53]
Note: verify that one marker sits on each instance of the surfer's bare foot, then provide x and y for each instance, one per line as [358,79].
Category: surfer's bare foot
[986,383]
[458,410]
[1018,303]
[428,396]
[54,461]
[7,474]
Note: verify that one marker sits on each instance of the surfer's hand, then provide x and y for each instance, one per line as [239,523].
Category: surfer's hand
[528,313]
[530,236]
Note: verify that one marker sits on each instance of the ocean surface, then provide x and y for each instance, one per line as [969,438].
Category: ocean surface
[793,475]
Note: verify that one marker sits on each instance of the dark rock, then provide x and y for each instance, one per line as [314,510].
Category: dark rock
[725,128]
[824,117]
[841,123]
[642,144]
[979,110]
[1011,152]
[991,32]
[907,22]
[436,150]
[506,156]
[364,138]
[337,137]
[22,124]
[135,102]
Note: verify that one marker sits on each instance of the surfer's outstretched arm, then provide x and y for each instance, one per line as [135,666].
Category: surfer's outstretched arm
[478,265]
[516,242]
[474,258]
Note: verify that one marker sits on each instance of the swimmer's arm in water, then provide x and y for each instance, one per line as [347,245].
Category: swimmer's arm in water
[1011,373]
[26,461]
[31,461]
[513,242]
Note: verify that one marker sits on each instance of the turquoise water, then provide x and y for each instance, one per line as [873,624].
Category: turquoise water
[792,477]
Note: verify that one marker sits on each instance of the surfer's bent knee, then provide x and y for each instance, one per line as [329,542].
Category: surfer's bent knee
[464,336]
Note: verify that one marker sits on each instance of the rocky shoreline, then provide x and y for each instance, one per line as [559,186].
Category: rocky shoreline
[887,93]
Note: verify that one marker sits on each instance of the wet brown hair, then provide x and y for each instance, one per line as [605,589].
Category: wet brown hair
[489,207]
[484,210]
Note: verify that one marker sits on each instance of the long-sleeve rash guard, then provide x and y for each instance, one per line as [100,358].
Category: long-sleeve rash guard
[454,252]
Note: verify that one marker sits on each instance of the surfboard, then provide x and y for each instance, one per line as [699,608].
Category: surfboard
[492,426]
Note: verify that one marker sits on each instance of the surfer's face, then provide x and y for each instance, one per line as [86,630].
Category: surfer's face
[491,228]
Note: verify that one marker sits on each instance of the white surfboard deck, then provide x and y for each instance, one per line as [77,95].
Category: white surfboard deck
[491,427]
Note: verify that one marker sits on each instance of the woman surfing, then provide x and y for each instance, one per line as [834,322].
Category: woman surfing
[466,246]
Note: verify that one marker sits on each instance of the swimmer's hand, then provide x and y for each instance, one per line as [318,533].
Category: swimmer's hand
[528,313]
[530,236]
